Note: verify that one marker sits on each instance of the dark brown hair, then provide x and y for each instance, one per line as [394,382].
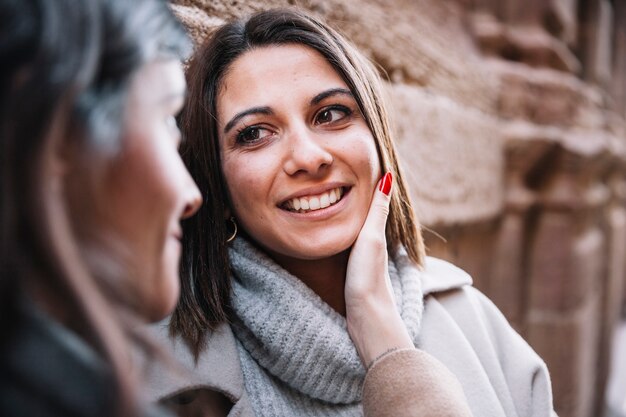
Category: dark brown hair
[65,70]
[205,268]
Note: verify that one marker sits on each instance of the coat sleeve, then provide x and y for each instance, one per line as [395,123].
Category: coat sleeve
[412,383]
[526,374]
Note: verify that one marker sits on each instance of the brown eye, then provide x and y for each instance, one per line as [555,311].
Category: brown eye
[252,134]
[331,115]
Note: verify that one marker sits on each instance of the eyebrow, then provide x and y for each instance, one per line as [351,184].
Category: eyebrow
[254,110]
[329,93]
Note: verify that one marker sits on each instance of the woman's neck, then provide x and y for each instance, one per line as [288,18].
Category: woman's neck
[326,277]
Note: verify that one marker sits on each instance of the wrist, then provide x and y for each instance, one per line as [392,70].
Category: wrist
[377,328]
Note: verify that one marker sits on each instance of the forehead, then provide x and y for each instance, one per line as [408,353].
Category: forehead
[275,70]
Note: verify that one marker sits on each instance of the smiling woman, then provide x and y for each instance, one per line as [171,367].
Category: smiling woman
[318,304]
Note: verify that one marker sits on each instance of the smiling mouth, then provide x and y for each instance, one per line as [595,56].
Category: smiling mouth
[315,202]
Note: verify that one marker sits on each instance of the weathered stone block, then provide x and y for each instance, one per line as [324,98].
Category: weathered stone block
[228,10]
[547,97]
[452,157]
[198,23]
[528,12]
[530,45]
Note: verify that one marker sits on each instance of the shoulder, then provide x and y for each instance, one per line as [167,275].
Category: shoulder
[216,367]
[438,276]
[211,381]
[448,292]
[464,317]
[450,284]
[465,330]
[454,308]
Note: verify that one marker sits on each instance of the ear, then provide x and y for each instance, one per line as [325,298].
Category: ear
[227,213]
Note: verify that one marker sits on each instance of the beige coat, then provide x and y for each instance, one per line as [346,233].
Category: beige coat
[499,374]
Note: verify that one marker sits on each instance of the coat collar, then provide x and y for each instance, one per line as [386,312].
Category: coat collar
[217,367]
[439,276]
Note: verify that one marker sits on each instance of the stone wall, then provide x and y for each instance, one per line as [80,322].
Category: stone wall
[510,116]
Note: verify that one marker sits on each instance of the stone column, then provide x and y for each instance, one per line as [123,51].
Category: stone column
[561,20]
[612,295]
[619,58]
[507,286]
[596,27]
[566,266]
[618,187]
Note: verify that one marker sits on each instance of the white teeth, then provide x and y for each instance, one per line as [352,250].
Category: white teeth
[314,203]
[332,197]
[325,200]
[317,202]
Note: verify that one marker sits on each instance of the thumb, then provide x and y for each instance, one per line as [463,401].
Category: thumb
[379,208]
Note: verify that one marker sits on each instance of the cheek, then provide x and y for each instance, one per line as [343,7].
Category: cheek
[373,158]
[361,153]
[145,193]
[246,179]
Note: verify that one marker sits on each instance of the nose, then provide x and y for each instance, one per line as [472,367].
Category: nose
[306,154]
[193,199]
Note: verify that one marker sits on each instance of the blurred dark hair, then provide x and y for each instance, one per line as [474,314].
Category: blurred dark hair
[65,69]
[205,269]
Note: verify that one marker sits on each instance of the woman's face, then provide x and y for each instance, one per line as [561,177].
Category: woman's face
[299,160]
[148,189]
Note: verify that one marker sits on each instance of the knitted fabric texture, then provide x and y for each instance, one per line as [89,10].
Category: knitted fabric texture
[296,355]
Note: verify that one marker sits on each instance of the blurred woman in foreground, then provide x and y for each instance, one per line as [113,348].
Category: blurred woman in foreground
[93,191]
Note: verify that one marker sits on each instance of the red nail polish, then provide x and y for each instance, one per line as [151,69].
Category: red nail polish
[385,184]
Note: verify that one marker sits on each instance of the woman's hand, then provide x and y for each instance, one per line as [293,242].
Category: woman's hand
[374,323]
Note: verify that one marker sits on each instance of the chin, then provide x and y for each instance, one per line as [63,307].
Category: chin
[165,297]
[320,249]
[161,310]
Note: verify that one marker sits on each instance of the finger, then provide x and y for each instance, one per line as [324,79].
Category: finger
[379,208]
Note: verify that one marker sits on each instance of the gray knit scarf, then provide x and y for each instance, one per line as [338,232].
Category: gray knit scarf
[296,355]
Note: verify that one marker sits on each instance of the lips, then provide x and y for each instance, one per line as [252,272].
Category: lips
[309,203]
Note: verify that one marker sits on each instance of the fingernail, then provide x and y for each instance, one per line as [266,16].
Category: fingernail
[385,184]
